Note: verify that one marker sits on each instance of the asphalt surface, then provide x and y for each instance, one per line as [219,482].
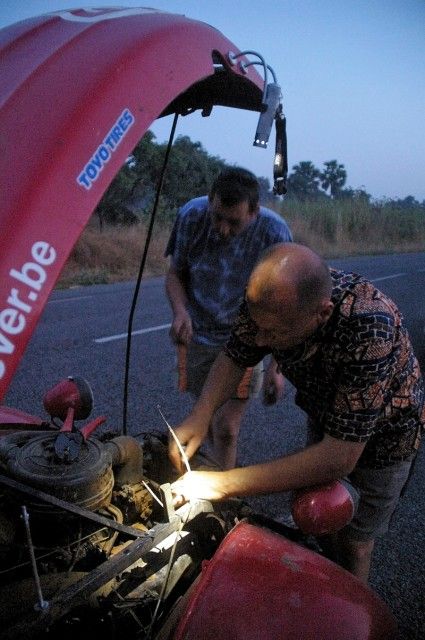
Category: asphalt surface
[80,333]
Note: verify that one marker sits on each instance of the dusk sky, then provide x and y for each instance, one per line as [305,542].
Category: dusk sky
[352,74]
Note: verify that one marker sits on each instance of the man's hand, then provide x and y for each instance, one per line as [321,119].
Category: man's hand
[273,384]
[201,485]
[222,381]
[181,328]
[190,434]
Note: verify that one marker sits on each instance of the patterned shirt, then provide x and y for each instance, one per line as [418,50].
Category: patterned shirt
[356,377]
[216,270]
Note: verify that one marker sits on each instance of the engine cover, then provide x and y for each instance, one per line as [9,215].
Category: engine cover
[261,585]
[87,482]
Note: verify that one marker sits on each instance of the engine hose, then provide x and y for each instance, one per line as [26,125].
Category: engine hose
[118,517]
[127,460]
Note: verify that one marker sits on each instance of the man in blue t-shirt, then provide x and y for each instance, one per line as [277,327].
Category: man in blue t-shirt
[214,245]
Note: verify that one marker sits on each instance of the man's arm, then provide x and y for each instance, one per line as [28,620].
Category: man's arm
[181,327]
[323,462]
[220,385]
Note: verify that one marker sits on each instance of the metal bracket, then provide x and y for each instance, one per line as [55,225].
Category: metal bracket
[167,501]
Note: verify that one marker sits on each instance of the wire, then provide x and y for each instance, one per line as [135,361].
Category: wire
[249,64]
[176,440]
[139,277]
[235,56]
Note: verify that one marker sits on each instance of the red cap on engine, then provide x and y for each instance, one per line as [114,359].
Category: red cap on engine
[326,508]
[73,392]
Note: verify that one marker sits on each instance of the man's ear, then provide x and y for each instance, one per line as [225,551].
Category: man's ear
[325,310]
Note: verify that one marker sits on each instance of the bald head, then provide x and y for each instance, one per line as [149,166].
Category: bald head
[289,274]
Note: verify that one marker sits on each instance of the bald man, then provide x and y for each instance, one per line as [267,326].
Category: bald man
[343,345]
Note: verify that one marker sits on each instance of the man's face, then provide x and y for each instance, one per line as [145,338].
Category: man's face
[230,221]
[284,330]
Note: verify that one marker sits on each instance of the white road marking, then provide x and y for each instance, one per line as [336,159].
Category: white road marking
[69,299]
[122,336]
[395,275]
[161,327]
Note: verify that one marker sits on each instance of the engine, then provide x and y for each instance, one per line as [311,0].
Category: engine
[88,533]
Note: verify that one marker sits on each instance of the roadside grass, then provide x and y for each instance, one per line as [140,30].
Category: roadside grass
[344,228]
[332,228]
[113,254]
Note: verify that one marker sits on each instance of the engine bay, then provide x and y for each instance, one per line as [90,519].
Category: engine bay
[95,541]
[90,540]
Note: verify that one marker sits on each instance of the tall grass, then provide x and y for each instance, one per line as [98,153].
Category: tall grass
[332,228]
[351,227]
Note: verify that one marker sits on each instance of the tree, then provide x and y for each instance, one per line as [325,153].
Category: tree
[190,172]
[359,195]
[264,189]
[111,207]
[333,177]
[304,181]
[409,202]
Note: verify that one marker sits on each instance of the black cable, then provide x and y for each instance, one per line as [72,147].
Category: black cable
[280,166]
[139,277]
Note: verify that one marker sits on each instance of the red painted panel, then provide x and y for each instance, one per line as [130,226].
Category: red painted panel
[79,88]
[15,418]
[261,585]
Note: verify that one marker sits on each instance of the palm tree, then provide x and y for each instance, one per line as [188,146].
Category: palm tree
[304,181]
[333,177]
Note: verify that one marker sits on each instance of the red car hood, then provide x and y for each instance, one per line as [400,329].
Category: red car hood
[79,89]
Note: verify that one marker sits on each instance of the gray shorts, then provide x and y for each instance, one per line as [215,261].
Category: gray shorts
[380,491]
[200,358]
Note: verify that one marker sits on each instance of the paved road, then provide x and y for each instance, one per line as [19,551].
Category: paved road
[81,331]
